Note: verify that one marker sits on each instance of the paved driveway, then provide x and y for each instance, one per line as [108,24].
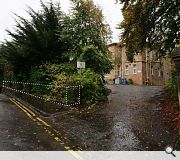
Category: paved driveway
[131,120]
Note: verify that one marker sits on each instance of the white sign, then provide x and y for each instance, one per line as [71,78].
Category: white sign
[80,64]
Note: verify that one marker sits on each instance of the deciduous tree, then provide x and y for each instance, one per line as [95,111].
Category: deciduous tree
[154,24]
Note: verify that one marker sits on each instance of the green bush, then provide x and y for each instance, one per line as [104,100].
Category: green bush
[62,77]
[92,88]
[49,72]
[172,86]
[130,81]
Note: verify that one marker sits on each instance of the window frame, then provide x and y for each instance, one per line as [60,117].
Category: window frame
[152,71]
[159,73]
[126,70]
[134,68]
[117,70]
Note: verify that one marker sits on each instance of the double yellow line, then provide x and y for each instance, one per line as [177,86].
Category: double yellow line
[48,128]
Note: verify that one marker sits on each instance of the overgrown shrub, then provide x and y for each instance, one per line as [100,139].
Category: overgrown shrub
[130,81]
[92,88]
[61,79]
[172,85]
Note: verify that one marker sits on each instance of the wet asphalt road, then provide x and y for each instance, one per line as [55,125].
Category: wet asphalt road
[131,120]
[19,132]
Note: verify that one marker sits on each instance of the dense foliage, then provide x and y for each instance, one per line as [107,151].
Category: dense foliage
[36,41]
[154,24]
[89,27]
[172,85]
[41,47]
[92,88]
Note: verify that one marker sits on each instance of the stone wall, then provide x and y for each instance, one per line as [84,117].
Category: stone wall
[149,69]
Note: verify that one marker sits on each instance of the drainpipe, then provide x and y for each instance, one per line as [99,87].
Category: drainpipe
[122,61]
[150,75]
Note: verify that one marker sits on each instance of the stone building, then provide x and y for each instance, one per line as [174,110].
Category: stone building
[145,69]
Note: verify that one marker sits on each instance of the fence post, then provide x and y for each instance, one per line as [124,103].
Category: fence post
[3,84]
[79,96]
[2,87]
[66,96]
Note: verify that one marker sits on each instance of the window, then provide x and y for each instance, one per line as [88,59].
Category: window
[152,71]
[159,72]
[126,70]
[117,70]
[134,69]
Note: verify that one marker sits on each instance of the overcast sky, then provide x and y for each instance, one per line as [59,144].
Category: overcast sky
[111,12]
